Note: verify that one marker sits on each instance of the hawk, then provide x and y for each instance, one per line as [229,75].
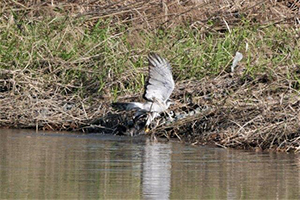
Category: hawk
[158,89]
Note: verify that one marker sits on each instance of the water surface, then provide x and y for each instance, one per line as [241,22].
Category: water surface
[72,166]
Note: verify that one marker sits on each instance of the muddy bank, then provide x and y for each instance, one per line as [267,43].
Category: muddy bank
[233,111]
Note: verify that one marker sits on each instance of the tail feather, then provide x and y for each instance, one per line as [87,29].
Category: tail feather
[127,106]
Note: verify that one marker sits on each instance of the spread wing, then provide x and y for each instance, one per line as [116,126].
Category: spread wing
[160,84]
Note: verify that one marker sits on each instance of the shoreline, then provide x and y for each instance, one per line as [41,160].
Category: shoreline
[226,117]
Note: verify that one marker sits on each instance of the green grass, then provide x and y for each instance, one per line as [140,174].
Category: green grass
[103,57]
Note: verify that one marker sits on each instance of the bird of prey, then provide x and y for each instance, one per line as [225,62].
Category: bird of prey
[158,89]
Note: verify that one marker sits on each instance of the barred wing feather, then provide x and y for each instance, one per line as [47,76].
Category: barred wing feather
[160,84]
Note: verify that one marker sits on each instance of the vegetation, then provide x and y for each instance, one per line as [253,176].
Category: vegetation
[62,64]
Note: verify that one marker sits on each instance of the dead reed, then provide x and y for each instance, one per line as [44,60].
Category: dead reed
[260,113]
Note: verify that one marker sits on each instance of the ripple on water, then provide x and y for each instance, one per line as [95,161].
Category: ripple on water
[73,165]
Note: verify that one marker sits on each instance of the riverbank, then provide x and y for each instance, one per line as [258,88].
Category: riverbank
[63,64]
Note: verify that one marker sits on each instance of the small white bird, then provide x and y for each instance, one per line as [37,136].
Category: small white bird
[158,89]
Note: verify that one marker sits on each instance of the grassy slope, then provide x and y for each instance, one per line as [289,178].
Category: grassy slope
[112,57]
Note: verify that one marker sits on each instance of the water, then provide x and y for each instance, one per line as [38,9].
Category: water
[73,166]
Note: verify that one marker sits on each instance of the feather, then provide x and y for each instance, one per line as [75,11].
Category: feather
[160,83]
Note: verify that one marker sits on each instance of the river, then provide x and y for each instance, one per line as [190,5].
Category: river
[55,165]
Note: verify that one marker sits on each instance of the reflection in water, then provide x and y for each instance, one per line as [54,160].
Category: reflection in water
[157,170]
[70,166]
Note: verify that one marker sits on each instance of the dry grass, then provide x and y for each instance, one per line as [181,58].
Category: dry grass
[34,102]
[152,14]
[260,113]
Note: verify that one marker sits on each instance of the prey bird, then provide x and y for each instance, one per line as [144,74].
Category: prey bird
[158,89]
